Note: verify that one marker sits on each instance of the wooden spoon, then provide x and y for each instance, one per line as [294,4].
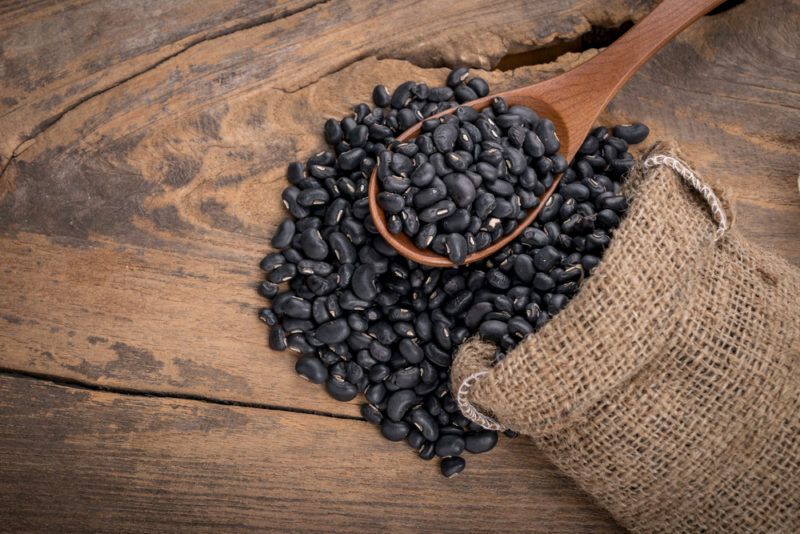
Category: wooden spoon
[572,100]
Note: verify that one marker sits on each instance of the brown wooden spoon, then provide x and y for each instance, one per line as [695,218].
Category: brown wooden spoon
[572,100]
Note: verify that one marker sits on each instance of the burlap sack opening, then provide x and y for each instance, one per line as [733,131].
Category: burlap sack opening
[669,387]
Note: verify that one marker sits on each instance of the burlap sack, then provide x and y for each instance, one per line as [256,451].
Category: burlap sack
[669,387]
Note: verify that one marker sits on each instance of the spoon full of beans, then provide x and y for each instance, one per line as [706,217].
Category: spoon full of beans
[489,166]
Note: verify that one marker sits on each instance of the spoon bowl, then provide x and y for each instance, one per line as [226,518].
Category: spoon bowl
[572,100]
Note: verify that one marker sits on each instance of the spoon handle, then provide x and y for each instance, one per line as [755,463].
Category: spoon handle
[594,83]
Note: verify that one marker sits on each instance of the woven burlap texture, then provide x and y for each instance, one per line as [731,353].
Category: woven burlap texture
[669,387]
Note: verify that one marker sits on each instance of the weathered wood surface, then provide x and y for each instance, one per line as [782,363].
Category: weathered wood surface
[142,150]
[86,461]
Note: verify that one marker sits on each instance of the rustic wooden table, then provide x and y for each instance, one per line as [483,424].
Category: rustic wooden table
[142,150]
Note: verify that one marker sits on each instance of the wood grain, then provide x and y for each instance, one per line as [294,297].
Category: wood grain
[83,461]
[139,181]
[189,252]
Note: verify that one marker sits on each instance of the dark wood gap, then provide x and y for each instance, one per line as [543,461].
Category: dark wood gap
[725,6]
[79,384]
[596,37]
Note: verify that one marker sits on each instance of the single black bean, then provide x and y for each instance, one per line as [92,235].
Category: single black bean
[456,247]
[268,289]
[281,274]
[399,403]
[268,316]
[427,452]
[452,466]
[284,234]
[437,356]
[333,331]
[411,351]
[394,430]
[415,439]
[632,133]
[493,330]
[402,95]
[376,392]
[449,445]
[457,76]
[341,390]
[464,93]
[480,442]
[381,96]
[312,369]
[351,160]
[444,137]
[371,414]
[406,378]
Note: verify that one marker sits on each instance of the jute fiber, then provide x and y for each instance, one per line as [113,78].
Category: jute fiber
[669,387]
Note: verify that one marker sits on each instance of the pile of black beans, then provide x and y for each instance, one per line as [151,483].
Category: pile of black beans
[469,177]
[363,319]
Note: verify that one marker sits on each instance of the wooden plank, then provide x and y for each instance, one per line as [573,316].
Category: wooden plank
[56,55]
[79,460]
[728,91]
[168,303]
[146,319]
[154,238]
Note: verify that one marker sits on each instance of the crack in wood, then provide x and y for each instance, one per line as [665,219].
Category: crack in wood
[43,126]
[80,384]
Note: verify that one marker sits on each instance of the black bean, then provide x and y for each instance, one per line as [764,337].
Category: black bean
[437,356]
[493,330]
[532,145]
[489,130]
[375,392]
[498,279]
[283,273]
[402,95]
[379,372]
[313,245]
[440,94]
[457,76]
[464,93]
[456,247]
[399,403]
[519,327]
[394,430]
[268,289]
[438,211]
[452,466]
[277,338]
[515,160]
[371,414]
[392,202]
[351,160]
[427,451]
[342,248]
[617,204]
[312,369]
[268,316]
[546,131]
[284,234]
[444,137]
[333,331]
[406,378]
[415,439]
[411,351]
[631,133]
[449,445]
[479,442]
[297,308]
[340,389]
